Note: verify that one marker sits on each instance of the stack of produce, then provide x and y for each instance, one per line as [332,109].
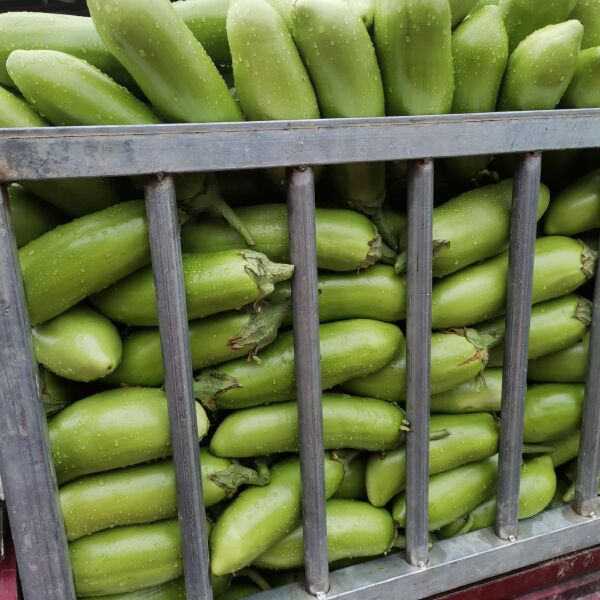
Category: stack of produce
[85,259]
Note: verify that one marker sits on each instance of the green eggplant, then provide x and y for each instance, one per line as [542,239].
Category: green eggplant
[460,9]
[354,529]
[541,68]
[340,58]
[206,20]
[552,411]
[341,61]
[480,53]
[483,393]
[214,282]
[348,348]
[71,34]
[213,340]
[453,493]
[74,260]
[571,476]
[478,292]
[113,429]
[587,12]
[16,112]
[413,41]
[30,216]
[454,440]
[456,357]
[474,226]
[373,293]
[584,89]
[481,4]
[576,208]
[144,493]
[127,559]
[257,35]
[67,90]
[238,590]
[74,197]
[523,17]
[171,67]
[538,484]
[261,516]
[470,227]
[555,325]
[566,366]
[354,485]
[80,344]
[348,422]
[172,590]
[565,449]
[346,240]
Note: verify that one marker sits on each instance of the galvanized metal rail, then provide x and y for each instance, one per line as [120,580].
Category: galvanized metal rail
[526,190]
[163,227]
[418,356]
[26,465]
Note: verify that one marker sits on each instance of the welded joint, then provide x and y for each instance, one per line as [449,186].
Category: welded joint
[7,174]
[586,511]
[158,177]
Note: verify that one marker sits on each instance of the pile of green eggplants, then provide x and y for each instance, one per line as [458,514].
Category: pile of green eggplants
[85,259]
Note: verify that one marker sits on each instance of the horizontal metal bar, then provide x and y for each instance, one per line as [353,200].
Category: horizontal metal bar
[93,151]
[163,224]
[418,358]
[305,293]
[456,562]
[28,476]
[586,487]
[516,345]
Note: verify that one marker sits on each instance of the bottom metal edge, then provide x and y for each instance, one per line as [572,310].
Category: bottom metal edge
[457,562]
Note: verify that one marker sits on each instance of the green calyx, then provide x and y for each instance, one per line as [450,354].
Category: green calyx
[264,272]
[378,251]
[261,329]
[589,258]
[231,478]
[583,312]
[210,385]
[400,264]
[480,341]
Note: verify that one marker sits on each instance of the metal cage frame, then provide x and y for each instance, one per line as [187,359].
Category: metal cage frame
[163,150]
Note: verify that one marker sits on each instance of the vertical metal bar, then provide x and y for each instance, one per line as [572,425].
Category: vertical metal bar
[516,345]
[418,357]
[165,245]
[588,466]
[303,254]
[28,475]
[3,529]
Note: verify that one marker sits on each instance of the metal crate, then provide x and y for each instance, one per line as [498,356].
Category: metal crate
[162,150]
